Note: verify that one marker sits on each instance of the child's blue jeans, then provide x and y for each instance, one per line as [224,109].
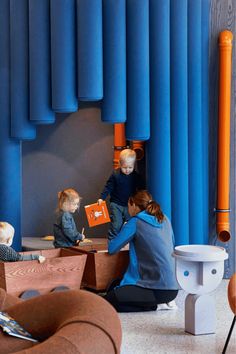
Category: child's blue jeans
[118,214]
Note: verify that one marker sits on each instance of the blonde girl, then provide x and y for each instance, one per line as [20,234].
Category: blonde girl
[65,231]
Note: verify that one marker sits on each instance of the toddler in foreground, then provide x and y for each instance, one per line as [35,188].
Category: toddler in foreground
[7,253]
[65,231]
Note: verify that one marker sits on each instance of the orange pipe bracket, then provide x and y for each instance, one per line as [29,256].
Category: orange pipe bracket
[223,173]
[119,142]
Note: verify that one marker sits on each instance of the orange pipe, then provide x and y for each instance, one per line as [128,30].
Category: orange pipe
[138,147]
[223,180]
[119,142]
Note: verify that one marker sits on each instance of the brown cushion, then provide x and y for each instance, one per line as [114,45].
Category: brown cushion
[73,321]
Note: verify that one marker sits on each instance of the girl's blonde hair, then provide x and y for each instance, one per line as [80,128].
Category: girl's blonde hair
[67,195]
[143,199]
[6,232]
[127,154]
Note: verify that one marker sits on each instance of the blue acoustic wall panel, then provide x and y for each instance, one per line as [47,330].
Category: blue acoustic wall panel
[90,65]
[114,61]
[10,149]
[205,115]
[195,124]
[137,43]
[158,147]
[40,62]
[63,56]
[21,127]
[179,121]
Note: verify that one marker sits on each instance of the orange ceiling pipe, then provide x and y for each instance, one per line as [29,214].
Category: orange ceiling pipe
[119,142]
[138,147]
[223,174]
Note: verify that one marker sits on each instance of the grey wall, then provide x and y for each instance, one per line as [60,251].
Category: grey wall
[75,152]
[223,17]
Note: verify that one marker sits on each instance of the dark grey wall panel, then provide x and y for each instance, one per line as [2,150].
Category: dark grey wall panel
[74,152]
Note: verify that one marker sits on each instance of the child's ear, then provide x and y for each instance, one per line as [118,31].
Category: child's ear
[9,241]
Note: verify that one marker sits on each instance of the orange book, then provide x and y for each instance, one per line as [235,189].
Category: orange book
[97,214]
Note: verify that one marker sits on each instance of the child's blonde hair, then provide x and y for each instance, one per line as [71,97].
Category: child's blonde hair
[6,232]
[127,155]
[67,195]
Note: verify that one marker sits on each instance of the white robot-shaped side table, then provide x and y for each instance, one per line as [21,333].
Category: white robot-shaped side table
[199,270]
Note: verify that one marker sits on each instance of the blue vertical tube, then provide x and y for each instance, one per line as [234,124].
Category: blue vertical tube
[195,123]
[40,62]
[90,64]
[205,115]
[10,149]
[63,56]
[114,62]
[21,128]
[138,100]
[179,121]
[158,156]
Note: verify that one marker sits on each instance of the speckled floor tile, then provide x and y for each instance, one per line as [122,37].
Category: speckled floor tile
[163,332]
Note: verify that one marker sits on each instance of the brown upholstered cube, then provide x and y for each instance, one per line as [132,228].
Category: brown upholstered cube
[61,267]
[101,267]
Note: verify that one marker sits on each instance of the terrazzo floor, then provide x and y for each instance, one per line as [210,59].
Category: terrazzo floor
[162,332]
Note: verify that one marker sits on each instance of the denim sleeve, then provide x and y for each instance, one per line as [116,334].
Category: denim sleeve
[109,186]
[125,236]
[69,228]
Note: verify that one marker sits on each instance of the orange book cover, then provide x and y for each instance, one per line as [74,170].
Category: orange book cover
[97,214]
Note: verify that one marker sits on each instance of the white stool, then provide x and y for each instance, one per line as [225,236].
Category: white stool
[199,270]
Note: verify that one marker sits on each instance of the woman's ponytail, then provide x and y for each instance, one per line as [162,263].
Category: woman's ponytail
[144,201]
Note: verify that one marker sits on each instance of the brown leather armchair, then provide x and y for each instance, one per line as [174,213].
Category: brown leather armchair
[67,322]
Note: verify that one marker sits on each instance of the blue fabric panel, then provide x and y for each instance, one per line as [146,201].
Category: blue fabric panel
[205,116]
[179,121]
[114,61]
[138,100]
[10,149]
[40,62]
[158,147]
[63,56]
[21,127]
[195,124]
[90,65]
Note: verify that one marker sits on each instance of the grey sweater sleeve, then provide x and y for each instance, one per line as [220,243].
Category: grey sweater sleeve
[29,257]
[8,254]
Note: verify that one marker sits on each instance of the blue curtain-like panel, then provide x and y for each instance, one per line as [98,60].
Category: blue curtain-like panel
[138,100]
[195,125]
[21,128]
[158,147]
[179,120]
[89,47]
[63,56]
[40,62]
[10,149]
[205,116]
[114,61]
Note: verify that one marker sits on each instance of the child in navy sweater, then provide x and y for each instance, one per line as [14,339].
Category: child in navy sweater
[122,183]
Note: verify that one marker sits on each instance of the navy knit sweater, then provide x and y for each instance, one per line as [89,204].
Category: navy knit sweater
[120,186]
